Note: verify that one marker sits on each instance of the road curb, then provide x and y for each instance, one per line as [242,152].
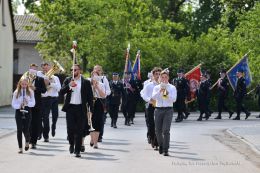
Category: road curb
[241,138]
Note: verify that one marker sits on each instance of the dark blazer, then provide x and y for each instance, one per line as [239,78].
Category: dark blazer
[117,90]
[240,90]
[40,88]
[86,94]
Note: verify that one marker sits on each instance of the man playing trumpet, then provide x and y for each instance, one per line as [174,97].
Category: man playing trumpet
[165,95]
[49,101]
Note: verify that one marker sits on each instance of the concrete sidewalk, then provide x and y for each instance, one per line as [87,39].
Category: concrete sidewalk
[249,134]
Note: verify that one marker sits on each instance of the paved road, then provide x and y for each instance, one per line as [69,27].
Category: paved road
[195,147]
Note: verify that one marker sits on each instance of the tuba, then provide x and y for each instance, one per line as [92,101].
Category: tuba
[56,68]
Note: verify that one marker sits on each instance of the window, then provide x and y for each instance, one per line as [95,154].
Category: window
[3,13]
[16,62]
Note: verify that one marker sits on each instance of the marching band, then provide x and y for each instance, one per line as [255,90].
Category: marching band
[88,100]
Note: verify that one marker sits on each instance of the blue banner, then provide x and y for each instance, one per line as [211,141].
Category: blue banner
[241,65]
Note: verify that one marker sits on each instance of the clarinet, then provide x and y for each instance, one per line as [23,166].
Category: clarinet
[23,110]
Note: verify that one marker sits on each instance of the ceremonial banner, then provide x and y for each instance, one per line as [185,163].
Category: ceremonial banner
[137,66]
[240,65]
[193,76]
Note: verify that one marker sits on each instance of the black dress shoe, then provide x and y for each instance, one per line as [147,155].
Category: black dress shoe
[52,130]
[178,120]
[91,144]
[236,118]
[26,147]
[199,119]
[217,118]
[46,140]
[82,149]
[71,149]
[186,115]
[100,140]
[230,114]
[78,154]
[166,153]
[156,148]
[160,150]
[115,126]
[247,115]
[258,116]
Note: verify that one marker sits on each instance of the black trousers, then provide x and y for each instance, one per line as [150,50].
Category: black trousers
[75,120]
[180,107]
[221,105]
[35,124]
[49,104]
[113,112]
[151,125]
[131,106]
[240,107]
[23,126]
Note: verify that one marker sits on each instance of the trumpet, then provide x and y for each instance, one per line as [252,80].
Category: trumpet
[91,129]
[165,92]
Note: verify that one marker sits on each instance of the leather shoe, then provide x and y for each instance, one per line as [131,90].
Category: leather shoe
[230,114]
[26,146]
[247,115]
[160,150]
[82,149]
[46,140]
[236,118]
[78,155]
[199,119]
[100,140]
[217,118]
[166,153]
[71,149]
[91,144]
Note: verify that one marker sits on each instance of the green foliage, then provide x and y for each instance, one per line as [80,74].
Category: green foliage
[169,33]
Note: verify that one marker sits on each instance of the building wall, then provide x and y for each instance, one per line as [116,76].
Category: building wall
[6,55]
[27,55]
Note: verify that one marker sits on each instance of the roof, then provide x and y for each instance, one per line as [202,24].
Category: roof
[26,28]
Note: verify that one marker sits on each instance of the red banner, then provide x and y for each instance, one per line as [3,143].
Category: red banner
[194,78]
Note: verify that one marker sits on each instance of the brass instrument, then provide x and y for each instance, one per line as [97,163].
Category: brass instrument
[28,76]
[56,68]
[165,92]
[91,129]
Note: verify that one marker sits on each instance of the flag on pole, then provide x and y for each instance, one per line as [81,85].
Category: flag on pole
[128,64]
[242,64]
[137,66]
[193,76]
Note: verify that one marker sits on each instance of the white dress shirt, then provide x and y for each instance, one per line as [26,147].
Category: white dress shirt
[76,93]
[147,82]
[147,91]
[160,100]
[54,87]
[17,102]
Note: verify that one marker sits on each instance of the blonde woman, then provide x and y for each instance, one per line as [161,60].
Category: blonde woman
[23,100]
[98,89]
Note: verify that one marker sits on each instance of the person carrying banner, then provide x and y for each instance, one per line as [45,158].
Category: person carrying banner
[239,95]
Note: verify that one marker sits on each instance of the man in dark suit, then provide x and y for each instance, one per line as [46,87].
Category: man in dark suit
[117,90]
[202,96]
[182,87]
[223,87]
[239,94]
[38,86]
[78,94]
